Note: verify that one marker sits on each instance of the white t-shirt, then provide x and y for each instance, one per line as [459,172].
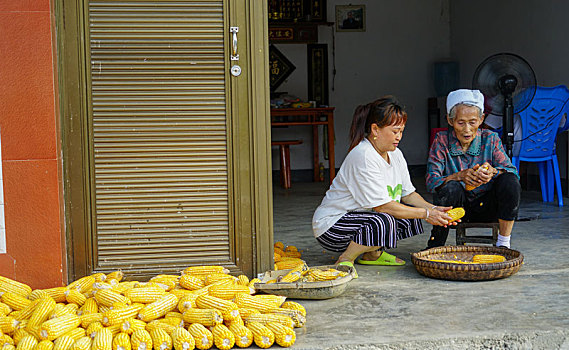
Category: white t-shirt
[365,181]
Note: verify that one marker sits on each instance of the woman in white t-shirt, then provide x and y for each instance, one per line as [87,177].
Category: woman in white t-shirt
[372,203]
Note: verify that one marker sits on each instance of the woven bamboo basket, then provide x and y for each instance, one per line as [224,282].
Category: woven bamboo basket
[466,272]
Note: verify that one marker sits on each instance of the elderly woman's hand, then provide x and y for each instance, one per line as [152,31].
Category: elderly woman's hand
[438,216]
[470,176]
[486,172]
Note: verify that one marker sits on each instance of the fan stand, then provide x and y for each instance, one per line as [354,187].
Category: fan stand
[507,85]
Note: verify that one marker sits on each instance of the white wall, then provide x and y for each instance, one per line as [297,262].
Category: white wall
[536,30]
[395,55]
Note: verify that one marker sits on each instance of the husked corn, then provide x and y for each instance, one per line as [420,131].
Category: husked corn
[116,275]
[87,319]
[222,337]
[131,325]
[75,296]
[279,245]
[6,339]
[253,281]
[227,308]
[256,302]
[18,334]
[15,301]
[54,328]
[186,302]
[455,214]
[262,336]
[206,317]
[204,270]
[103,340]
[216,277]
[161,339]
[295,315]
[83,343]
[243,280]
[203,337]
[266,318]
[289,263]
[29,342]
[116,316]
[57,294]
[243,336]
[284,336]
[141,340]
[487,258]
[8,324]
[45,345]
[83,284]
[76,333]
[63,343]
[191,282]
[293,305]
[296,273]
[4,309]
[145,295]
[121,341]
[182,339]
[228,291]
[159,308]
[11,286]
[89,307]
[26,312]
[158,324]
[93,329]
[107,297]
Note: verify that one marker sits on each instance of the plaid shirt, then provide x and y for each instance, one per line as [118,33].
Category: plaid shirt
[446,157]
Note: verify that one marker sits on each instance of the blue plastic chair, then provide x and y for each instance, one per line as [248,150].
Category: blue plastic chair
[540,126]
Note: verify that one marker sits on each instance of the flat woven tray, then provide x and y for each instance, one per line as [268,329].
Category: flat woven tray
[466,272]
[306,290]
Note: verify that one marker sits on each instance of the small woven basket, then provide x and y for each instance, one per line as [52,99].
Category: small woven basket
[466,272]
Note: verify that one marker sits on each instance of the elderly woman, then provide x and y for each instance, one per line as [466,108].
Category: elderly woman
[468,167]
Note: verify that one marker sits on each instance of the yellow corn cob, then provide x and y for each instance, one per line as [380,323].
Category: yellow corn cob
[276,257]
[15,301]
[89,307]
[159,308]
[57,294]
[204,270]
[63,343]
[108,297]
[70,308]
[56,327]
[83,343]
[8,324]
[141,340]
[244,312]
[216,277]
[101,285]
[121,342]
[202,336]
[237,320]
[187,302]
[206,317]
[18,334]
[292,255]
[75,296]
[289,263]
[29,342]
[116,316]
[4,309]
[180,292]
[173,321]
[266,318]
[455,214]
[22,324]
[227,308]
[262,336]
[222,337]
[131,325]
[75,333]
[191,282]
[488,258]
[144,295]
[243,280]
[38,294]
[43,309]
[8,347]
[295,274]
[452,261]
[45,345]
[243,336]
[284,336]
[122,287]
[295,315]
[58,311]
[93,328]
[158,324]
[253,281]
[279,245]
[291,248]
[103,340]
[279,251]
[103,309]
[228,291]
[294,306]
[26,312]
[258,302]
[88,319]
[99,277]
[161,339]
[114,329]
[182,339]
[328,275]
[205,290]
[83,284]
[9,285]
[6,339]
[116,275]
[166,283]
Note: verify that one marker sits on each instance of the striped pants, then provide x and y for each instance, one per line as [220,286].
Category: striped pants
[370,229]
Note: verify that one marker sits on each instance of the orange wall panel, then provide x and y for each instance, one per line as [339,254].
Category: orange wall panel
[29,133]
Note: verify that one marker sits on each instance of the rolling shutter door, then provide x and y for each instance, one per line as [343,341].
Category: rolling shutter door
[158,134]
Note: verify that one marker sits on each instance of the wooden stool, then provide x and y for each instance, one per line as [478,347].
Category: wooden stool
[284,151]
[462,238]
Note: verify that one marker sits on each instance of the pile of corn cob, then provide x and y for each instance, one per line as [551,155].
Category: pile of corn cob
[286,257]
[203,307]
[476,259]
[302,273]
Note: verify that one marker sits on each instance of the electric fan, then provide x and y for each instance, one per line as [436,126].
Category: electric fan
[508,84]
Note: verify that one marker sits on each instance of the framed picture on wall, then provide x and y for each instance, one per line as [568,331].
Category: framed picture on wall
[350,18]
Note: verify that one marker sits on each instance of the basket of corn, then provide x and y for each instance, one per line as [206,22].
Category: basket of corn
[201,308]
[303,282]
[467,263]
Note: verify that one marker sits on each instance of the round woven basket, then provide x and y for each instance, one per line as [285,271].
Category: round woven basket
[466,272]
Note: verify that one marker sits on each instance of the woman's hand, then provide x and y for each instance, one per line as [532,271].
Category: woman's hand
[438,216]
[486,173]
[470,176]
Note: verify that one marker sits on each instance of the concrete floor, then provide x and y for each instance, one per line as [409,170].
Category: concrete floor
[397,308]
